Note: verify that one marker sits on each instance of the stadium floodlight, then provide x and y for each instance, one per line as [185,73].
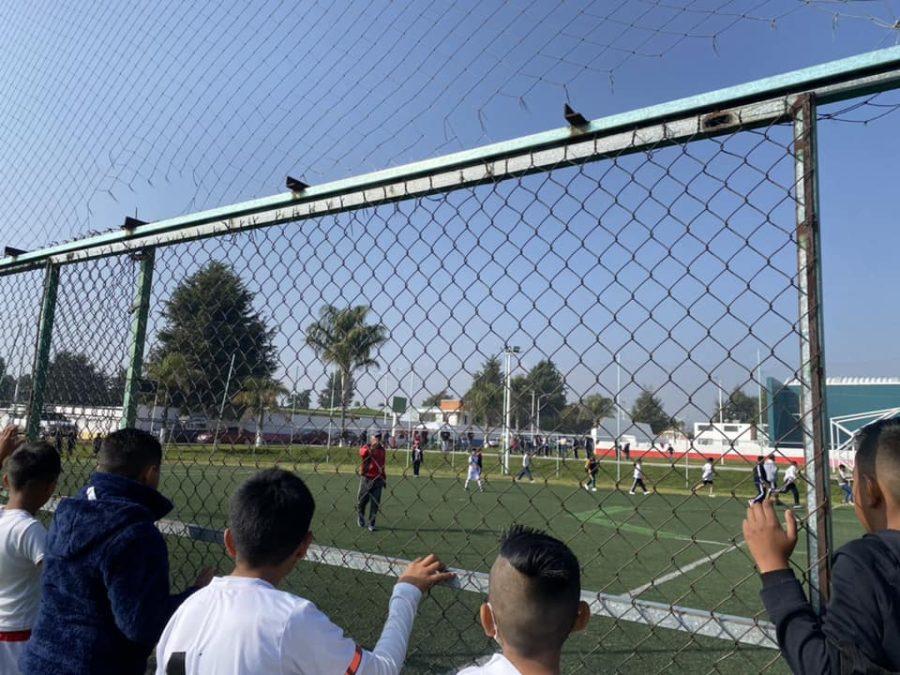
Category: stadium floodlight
[573,117]
[295,184]
[10,252]
[132,223]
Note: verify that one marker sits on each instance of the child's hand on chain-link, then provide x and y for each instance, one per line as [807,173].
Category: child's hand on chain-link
[424,573]
[9,441]
[770,544]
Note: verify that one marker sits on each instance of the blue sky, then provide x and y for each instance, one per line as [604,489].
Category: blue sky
[133,106]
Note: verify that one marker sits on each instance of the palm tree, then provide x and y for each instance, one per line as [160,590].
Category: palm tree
[342,338]
[257,394]
[598,407]
[173,375]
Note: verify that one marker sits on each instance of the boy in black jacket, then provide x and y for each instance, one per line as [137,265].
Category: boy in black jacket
[105,588]
[860,631]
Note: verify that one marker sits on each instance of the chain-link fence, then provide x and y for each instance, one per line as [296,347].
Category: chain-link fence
[639,289]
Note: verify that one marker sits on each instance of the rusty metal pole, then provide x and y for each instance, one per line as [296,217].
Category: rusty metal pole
[813,413]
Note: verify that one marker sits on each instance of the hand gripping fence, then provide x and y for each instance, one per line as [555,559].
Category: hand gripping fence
[641,287]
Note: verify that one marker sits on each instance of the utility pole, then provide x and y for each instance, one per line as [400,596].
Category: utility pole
[221,407]
[618,449]
[719,385]
[508,350]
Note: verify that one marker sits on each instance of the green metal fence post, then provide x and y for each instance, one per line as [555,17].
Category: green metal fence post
[140,310]
[813,415]
[42,354]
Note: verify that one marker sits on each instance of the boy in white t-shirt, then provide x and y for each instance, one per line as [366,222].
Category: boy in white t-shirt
[242,623]
[31,473]
[534,604]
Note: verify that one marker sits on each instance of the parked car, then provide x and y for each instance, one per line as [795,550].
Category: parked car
[227,436]
[53,422]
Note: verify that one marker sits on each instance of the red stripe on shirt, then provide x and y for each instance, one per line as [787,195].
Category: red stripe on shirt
[356,662]
[15,635]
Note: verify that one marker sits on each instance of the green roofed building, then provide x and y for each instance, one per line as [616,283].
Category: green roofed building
[851,402]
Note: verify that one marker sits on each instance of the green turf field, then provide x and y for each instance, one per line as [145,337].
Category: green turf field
[689,544]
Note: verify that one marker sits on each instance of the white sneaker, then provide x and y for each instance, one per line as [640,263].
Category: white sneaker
[593,489]
[646,493]
[586,488]
[631,492]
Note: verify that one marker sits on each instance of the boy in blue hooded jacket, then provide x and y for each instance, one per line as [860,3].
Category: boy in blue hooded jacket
[105,588]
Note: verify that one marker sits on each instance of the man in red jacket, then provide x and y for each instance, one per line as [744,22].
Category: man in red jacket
[372,479]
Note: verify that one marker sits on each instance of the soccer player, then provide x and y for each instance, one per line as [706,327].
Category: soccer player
[771,469]
[372,479]
[845,478]
[638,479]
[31,474]
[790,483]
[707,477]
[759,480]
[242,624]
[534,603]
[591,467]
[417,456]
[859,630]
[526,467]
[474,471]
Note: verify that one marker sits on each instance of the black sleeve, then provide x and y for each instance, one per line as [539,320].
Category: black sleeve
[808,642]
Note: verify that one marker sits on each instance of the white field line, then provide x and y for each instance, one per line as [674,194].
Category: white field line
[619,607]
[683,570]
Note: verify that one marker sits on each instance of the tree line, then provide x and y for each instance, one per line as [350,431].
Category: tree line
[212,339]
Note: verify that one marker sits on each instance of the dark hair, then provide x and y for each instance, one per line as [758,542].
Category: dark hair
[35,462]
[269,516]
[759,458]
[127,452]
[547,607]
[878,438]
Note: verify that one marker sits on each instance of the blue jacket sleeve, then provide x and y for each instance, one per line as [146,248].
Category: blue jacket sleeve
[809,642]
[136,574]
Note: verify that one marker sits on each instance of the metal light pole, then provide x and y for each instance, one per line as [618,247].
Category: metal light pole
[409,438]
[331,410]
[539,410]
[532,416]
[618,421]
[293,407]
[719,385]
[507,401]
[222,406]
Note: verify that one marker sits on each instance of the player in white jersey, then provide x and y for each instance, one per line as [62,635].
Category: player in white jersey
[707,477]
[790,483]
[474,471]
[638,479]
